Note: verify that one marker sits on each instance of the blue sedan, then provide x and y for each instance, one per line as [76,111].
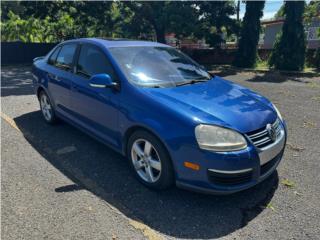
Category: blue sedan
[175,122]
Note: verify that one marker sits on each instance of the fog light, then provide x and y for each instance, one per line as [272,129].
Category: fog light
[193,166]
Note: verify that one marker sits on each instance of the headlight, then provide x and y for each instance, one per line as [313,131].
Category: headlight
[278,112]
[220,139]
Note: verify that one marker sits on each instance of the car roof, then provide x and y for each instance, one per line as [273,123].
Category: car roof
[109,43]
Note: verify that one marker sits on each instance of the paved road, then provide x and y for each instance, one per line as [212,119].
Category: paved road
[58,183]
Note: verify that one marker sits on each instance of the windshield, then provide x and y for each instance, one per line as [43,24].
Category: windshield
[158,66]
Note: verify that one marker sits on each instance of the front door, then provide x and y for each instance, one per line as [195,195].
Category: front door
[96,109]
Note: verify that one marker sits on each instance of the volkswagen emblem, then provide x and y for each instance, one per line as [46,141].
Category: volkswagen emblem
[271,132]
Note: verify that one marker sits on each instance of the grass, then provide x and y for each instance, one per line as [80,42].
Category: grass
[262,65]
[288,183]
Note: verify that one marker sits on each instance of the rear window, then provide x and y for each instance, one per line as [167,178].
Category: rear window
[65,56]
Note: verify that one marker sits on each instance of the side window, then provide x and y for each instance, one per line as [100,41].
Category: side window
[53,57]
[93,61]
[65,56]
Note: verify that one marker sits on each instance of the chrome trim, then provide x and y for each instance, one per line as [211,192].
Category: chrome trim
[266,139]
[97,85]
[263,140]
[271,169]
[256,135]
[230,172]
[271,151]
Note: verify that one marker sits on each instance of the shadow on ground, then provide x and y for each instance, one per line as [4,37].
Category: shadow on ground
[222,71]
[263,76]
[16,80]
[178,213]
[276,77]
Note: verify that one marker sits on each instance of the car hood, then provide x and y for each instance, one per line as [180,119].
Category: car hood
[220,102]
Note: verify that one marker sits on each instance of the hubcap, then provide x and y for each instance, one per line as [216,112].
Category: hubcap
[46,107]
[146,160]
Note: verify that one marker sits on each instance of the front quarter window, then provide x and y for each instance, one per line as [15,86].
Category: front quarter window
[53,57]
[157,66]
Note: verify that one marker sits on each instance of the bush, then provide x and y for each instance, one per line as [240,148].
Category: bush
[249,36]
[290,46]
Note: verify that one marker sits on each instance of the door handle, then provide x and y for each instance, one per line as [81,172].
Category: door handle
[53,77]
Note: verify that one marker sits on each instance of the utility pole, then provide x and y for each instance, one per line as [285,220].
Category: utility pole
[238,11]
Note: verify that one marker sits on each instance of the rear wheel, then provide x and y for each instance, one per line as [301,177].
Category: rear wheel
[150,160]
[46,108]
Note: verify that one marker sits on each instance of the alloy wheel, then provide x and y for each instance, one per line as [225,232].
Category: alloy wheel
[46,107]
[146,160]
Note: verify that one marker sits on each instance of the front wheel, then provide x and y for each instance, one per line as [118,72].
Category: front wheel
[150,160]
[46,108]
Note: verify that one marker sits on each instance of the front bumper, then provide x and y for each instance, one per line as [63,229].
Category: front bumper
[225,173]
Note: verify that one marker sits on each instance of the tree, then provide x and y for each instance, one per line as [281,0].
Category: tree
[164,16]
[316,54]
[14,7]
[249,36]
[92,18]
[280,12]
[290,46]
[311,15]
[215,21]
[131,25]
[37,30]
[57,21]
[17,29]
[312,11]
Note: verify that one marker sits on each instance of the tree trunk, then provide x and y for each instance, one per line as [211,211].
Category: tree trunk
[238,10]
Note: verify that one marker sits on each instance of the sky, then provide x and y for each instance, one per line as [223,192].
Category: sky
[270,8]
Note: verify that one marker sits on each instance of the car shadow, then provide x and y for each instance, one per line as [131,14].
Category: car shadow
[174,212]
[16,80]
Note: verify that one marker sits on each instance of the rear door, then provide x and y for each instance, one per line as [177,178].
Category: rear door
[59,76]
[96,108]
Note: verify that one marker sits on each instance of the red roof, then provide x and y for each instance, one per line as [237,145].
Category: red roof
[274,21]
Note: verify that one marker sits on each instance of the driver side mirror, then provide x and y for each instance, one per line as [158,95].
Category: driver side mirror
[102,80]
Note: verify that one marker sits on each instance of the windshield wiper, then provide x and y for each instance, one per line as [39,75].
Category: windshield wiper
[192,81]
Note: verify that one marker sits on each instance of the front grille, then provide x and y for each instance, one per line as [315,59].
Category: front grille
[260,138]
[229,179]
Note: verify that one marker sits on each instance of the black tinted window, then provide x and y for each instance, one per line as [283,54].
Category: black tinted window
[53,56]
[65,56]
[93,61]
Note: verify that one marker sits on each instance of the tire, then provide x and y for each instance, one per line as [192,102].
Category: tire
[141,163]
[46,108]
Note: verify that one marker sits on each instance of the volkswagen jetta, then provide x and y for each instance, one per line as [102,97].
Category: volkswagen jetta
[175,122]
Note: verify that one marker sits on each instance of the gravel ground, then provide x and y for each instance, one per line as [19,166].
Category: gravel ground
[58,183]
